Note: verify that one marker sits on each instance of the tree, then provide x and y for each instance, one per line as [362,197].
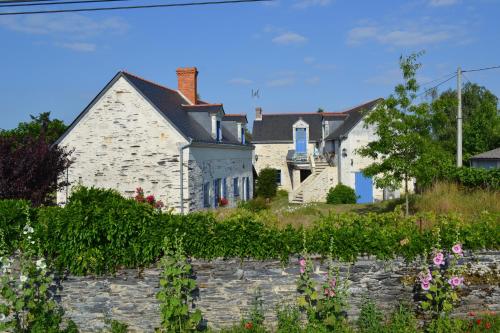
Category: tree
[403,130]
[53,128]
[266,186]
[30,167]
[481,120]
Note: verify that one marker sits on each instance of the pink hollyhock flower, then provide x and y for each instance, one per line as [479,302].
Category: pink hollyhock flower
[302,262]
[457,249]
[455,281]
[425,277]
[333,283]
[438,259]
[329,292]
[302,270]
[425,285]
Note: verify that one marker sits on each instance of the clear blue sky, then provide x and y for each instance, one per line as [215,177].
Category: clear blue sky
[300,54]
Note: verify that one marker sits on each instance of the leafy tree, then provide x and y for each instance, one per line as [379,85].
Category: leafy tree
[52,128]
[30,167]
[403,131]
[481,120]
[266,185]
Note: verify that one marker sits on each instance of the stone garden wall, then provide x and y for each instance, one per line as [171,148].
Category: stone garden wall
[226,289]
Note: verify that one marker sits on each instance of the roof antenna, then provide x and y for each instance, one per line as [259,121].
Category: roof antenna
[255,93]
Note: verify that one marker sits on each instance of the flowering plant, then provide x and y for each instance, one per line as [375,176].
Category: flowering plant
[25,301]
[223,202]
[440,280]
[150,199]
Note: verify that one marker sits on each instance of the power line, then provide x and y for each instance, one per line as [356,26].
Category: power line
[44,3]
[481,69]
[437,85]
[185,4]
[18,1]
[439,78]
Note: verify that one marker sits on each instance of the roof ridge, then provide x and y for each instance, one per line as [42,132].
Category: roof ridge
[149,81]
[360,105]
[235,114]
[291,113]
[201,105]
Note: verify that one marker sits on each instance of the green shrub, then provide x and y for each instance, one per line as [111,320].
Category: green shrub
[370,319]
[12,220]
[266,185]
[99,230]
[474,177]
[341,194]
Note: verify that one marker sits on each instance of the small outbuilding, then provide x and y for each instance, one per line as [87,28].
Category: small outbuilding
[487,160]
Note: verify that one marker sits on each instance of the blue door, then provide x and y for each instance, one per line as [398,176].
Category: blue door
[300,140]
[364,188]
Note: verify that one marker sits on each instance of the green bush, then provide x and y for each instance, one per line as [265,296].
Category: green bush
[266,185]
[99,230]
[12,221]
[341,194]
[474,177]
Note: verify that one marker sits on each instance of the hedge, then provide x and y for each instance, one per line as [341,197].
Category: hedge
[474,177]
[100,231]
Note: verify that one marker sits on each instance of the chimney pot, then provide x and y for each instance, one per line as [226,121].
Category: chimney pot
[258,113]
[188,83]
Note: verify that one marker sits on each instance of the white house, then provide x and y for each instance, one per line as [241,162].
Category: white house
[313,152]
[136,133]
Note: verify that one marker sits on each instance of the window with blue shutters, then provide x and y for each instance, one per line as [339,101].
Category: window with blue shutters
[218,131]
[206,195]
[236,188]
[242,135]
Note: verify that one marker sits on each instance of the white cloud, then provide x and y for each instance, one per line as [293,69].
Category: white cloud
[309,60]
[313,80]
[288,38]
[69,24]
[423,33]
[281,82]
[303,4]
[240,81]
[78,46]
[441,3]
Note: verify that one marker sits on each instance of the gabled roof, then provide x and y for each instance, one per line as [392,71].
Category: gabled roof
[170,103]
[354,115]
[278,127]
[239,118]
[488,155]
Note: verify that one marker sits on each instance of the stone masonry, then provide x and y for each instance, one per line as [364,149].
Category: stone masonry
[226,289]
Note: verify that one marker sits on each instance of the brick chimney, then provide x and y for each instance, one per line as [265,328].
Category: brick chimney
[258,113]
[187,83]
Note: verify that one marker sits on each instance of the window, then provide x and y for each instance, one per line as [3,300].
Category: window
[206,195]
[243,135]
[224,188]
[278,176]
[236,188]
[218,131]
[216,192]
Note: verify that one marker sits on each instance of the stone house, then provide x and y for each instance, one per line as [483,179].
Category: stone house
[313,152]
[136,133]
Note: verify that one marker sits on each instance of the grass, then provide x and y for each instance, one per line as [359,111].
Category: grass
[444,198]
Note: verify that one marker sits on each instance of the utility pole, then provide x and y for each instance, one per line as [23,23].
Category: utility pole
[459,117]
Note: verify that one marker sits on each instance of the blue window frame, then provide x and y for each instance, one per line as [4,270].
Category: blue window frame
[206,195]
[300,140]
[236,188]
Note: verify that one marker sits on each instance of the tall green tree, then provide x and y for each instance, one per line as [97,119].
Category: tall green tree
[481,120]
[403,130]
[52,128]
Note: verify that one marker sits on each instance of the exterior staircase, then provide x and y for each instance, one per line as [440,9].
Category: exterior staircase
[319,166]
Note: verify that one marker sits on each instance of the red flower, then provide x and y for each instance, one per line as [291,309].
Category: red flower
[248,325]
[150,199]
[223,202]
[472,314]
[487,325]
[478,321]
[159,204]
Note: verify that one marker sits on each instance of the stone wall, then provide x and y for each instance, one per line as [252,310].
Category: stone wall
[226,288]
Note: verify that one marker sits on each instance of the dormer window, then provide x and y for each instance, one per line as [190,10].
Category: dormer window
[301,137]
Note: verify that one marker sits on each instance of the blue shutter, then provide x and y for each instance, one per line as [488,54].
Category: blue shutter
[242,135]
[300,140]
[236,190]
[247,190]
[224,188]
[216,192]
[364,188]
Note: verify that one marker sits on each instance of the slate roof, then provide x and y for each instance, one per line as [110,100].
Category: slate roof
[240,118]
[171,105]
[278,127]
[354,115]
[488,155]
